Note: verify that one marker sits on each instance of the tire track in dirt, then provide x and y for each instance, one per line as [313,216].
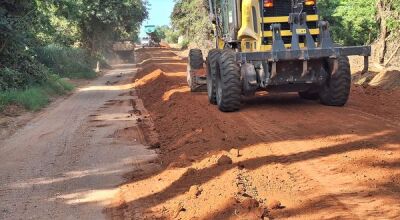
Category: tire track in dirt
[318,175]
[311,187]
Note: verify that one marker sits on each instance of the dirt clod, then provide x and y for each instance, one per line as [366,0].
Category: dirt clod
[183,157]
[235,152]
[224,160]
[241,166]
[195,191]
[274,204]
[190,171]
[250,203]
[180,208]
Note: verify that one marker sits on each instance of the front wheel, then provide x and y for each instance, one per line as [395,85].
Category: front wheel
[228,82]
[195,62]
[212,71]
[336,90]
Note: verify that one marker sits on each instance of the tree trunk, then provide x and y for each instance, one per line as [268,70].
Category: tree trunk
[381,15]
[393,55]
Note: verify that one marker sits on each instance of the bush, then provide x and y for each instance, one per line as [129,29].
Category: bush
[67,62]
[184,44]
[22,73]
[172,36]
[190,18]
[35,97]
[10,78]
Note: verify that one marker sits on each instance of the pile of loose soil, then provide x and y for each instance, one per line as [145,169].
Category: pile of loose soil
[185,122]
[194,141]
[388,79]
[376,101]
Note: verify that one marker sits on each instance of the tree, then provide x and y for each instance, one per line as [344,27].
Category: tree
[26,26]
[103,21]
[352,21]
[190,19]
[20,21]
[388,16]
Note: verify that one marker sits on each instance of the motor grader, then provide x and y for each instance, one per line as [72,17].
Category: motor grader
[275,46]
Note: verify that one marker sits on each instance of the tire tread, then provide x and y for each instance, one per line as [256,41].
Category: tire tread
[231,86]
[337,90]
[211,61]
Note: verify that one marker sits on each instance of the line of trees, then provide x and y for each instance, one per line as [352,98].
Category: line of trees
[28,27]
[357,22]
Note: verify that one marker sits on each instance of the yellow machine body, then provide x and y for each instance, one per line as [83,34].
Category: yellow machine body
[250,33]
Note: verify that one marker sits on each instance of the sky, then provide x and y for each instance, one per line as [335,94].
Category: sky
[159,14]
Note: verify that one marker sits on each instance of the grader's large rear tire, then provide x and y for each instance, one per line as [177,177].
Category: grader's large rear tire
[212,70]
[336,90]
[228,82]
[195,61]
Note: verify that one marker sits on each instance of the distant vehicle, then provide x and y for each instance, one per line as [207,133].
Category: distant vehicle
[149,29]
[146,42]
[152,39]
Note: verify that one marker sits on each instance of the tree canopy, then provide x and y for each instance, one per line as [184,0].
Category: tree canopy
[190,19]
[28,25]
[100,21]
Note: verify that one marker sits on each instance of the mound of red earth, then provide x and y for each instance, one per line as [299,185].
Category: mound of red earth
[185,122]
[279,157]
[387,79]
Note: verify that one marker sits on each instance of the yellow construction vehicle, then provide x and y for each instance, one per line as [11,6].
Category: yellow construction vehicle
[272,45]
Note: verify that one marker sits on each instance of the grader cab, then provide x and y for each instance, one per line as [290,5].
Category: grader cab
[272,45]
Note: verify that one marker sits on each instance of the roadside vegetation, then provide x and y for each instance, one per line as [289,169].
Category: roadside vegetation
[190,22]
[43,42]
[35,97]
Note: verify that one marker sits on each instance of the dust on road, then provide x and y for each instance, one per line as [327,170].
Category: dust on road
[284,157]
[68,162]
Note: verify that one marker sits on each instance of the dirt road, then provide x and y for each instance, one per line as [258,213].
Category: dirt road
[284,157]
[280,157]
[68,162]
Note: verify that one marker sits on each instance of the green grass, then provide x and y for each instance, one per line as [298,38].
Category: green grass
[36,97]
[23,88]
[82,75]
[74,63]
[58,62]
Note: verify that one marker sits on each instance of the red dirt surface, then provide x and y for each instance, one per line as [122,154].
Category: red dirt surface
[291,158]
